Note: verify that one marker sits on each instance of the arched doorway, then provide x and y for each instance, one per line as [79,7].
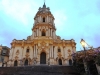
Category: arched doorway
[15,63]
[26,62]
[43,58]
[60,62]
[70,62]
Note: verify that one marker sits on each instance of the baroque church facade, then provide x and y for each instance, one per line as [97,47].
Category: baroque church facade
[43,46]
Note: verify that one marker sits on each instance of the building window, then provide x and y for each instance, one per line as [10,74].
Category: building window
[60,62]
[70,62]
[43,33]
[43,19]
[59,50]
[26,62]
[27,50]
[4,51]
[15,63]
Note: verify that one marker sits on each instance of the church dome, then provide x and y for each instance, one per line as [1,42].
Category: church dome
[44,11]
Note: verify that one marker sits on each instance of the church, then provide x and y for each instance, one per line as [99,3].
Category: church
[43,47]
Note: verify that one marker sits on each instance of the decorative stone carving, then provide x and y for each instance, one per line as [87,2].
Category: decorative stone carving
[16,57]
[43,45]
[17,52]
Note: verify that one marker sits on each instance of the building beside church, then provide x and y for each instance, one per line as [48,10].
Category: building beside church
[43,46]
[4,55]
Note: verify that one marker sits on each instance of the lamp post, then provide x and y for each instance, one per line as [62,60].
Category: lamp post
[83,43]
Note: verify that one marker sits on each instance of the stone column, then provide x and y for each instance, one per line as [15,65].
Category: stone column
[64,51]
[21,63]
[37,32]
[49,53]
[51,58]
[55,34]
[12,56]
[40,31]
[52,50]
[34,51]
[34,34]
[51,32]
[37,19]
[50,19]
[22,53]
[40,18]
[46,32]
[47,18]
[12,53]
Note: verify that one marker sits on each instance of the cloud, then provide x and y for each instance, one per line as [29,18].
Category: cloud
[73,19]
[19,10]
[16,19]
[60,19]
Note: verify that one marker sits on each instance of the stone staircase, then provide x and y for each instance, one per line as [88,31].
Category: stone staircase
[39,70]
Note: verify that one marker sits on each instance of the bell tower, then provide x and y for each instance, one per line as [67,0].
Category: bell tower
[44,24]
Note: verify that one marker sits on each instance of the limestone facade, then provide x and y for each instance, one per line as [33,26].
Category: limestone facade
[43,46]
[4,55]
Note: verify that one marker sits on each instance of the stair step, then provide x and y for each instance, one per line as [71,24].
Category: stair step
[39,70]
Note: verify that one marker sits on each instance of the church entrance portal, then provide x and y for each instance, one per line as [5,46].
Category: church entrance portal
[60,62]
[43,58]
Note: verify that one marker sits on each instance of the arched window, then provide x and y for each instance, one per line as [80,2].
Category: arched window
[27,50]
[26,62]
[59,50]
[60,62]
[43,33]
[70,62]
[15,63]
[4,52]
[43,19]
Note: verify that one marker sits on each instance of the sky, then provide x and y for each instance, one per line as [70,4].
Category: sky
[74,19]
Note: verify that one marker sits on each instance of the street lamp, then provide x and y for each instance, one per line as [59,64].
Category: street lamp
[83,43]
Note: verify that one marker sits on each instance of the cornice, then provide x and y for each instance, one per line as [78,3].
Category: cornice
[43,24]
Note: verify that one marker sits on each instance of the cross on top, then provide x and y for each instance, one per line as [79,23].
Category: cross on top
[44,1]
